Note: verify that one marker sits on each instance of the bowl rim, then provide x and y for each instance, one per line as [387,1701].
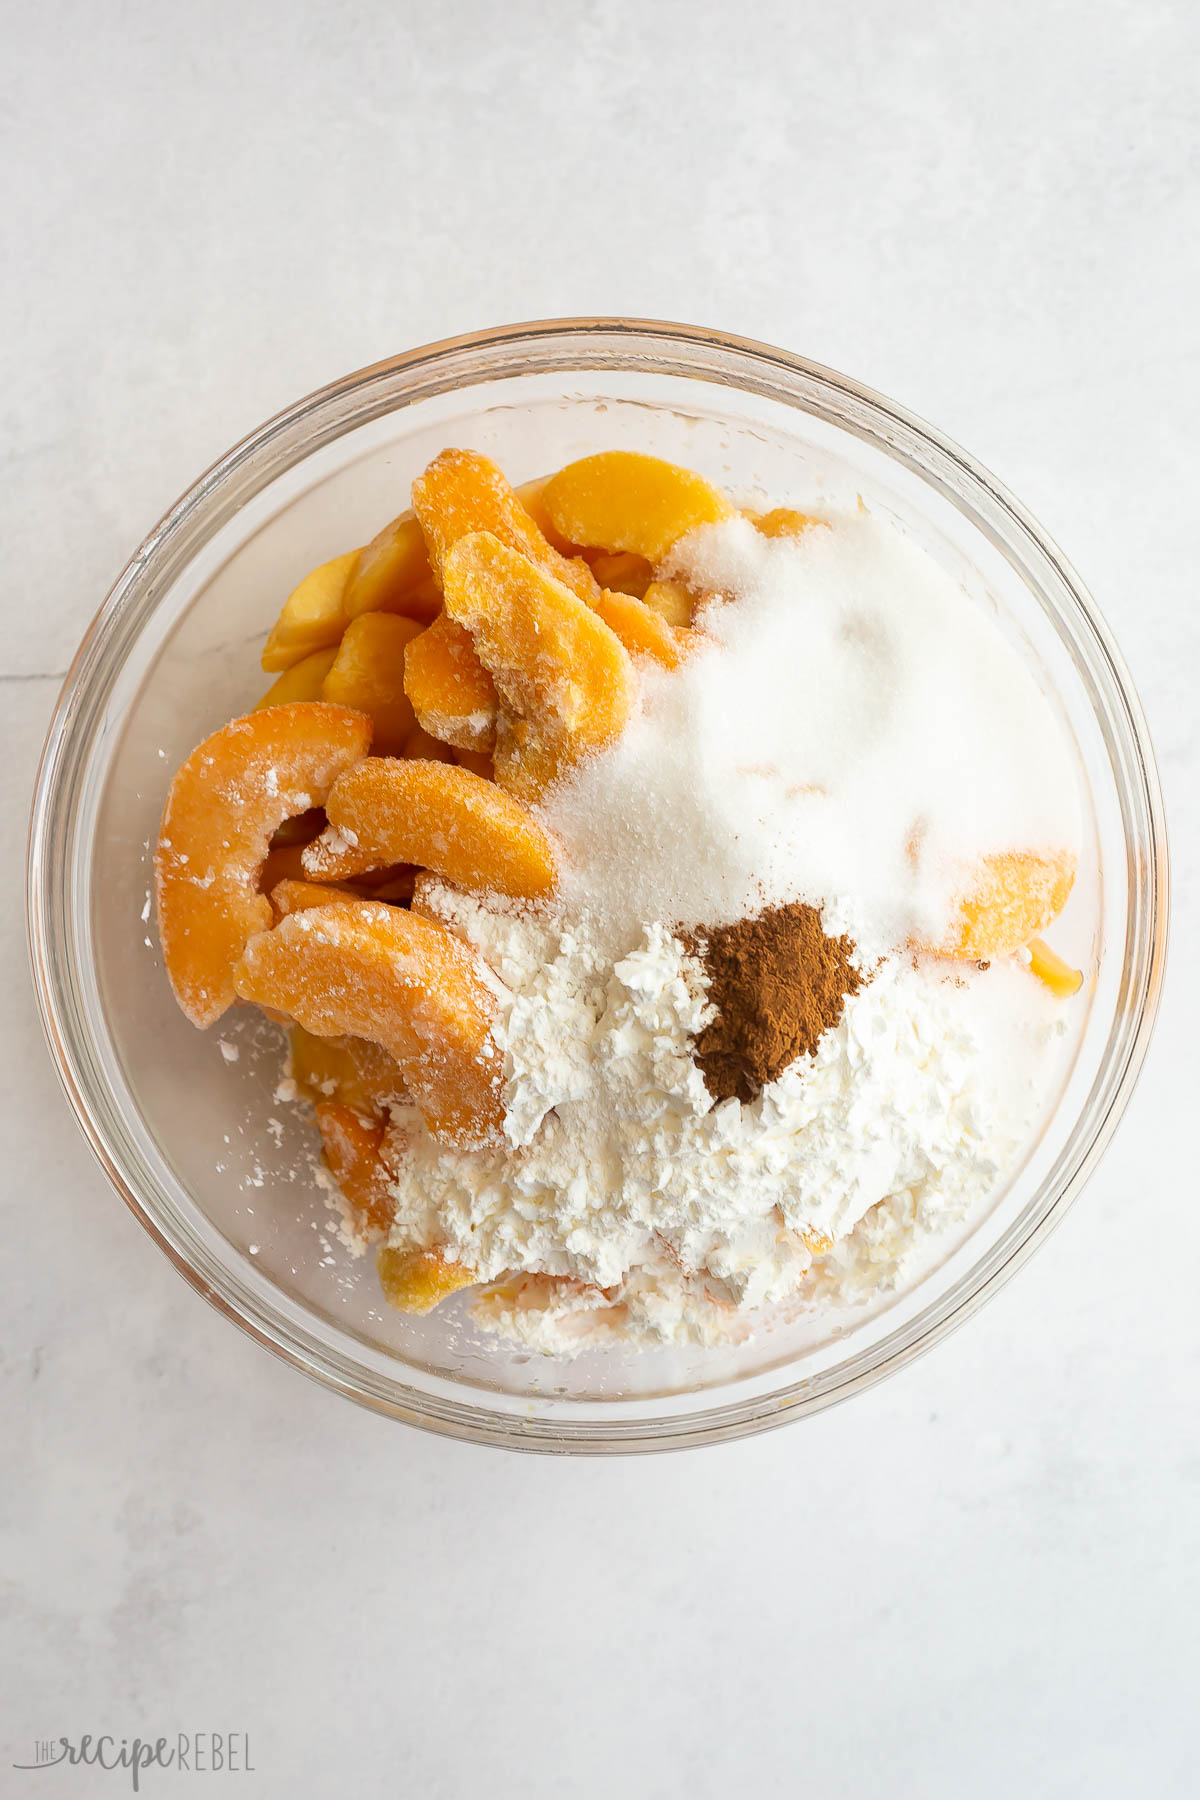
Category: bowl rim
[464,1419]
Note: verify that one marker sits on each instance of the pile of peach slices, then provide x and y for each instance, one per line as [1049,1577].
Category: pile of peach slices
[430,689]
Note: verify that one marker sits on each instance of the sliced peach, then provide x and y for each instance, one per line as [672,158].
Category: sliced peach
[393,574]
[358,1073]
[313,615]
[363,969]
[784,521]
[291,895]
[351,1144]
[565,683]
[622,572]
[451,692]
[622,500]
[1050,967]
[461,492]
[478,761]
[222,809]
[368,674]
[643,631]
[673,599]
[301,682]
[419,746]
[415,1281]
[284,862]
[1005,900]
[529,493]
[441,818]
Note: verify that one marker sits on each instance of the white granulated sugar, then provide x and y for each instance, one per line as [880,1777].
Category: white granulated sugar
[857,734]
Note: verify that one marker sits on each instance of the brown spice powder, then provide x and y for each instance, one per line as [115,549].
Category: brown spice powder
[778,984]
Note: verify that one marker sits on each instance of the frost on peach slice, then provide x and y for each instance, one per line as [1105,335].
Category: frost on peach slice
[462,492]
[363,969]
[313,616]
[623,500]
[415,1281]
[350,1069]
[441,818]
[642,630]
[451,692]
[368,674]
[1006,899]
[303,681]
[565,683]
[223,808]
[351,1145]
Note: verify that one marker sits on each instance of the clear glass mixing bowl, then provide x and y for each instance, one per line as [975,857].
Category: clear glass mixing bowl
[195,1144]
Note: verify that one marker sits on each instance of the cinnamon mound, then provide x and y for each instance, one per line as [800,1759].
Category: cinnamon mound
[778,983]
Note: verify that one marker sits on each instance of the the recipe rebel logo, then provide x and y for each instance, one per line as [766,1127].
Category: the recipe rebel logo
[193,1753]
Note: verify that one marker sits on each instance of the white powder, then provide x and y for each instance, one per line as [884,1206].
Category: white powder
[623,1175]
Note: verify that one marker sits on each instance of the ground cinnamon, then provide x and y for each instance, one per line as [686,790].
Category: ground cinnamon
[778,983]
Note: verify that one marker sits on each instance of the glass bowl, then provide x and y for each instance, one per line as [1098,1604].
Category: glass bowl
[188,1131]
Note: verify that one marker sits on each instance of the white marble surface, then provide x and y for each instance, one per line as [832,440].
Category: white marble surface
[979,1578]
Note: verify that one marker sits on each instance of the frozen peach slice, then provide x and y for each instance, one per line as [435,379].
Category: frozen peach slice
[393,574]
[284,862]
[313,615]
[784,521]
[1050,967]
[363,969]
[301,682]
[438,816]
[642,630]
[622,572]
[1007,899]
[222,809]
[368,674]
[291,895]
[461,492]
[673,599]
[358,1073]
[415,1281]
[451,692]
[622,500]
[351,1144]
[565,683]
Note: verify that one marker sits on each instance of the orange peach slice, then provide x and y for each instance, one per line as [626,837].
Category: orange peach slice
[223,807]
[1007,899]
[313,616]
[622,572]
[1050,967]
[419,746]
[351,1144]
[784,521]
[357,1073]
[673,599]
[479,763]
[291,895]
[565,683]
[438,816]
[622,500]
[415,1281]
[451,692]
[368,674]
[461,492]
[363,969]
[302,681]
[642,630]
[393,574]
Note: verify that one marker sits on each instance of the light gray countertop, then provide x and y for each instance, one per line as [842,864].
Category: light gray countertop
[980,1577]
